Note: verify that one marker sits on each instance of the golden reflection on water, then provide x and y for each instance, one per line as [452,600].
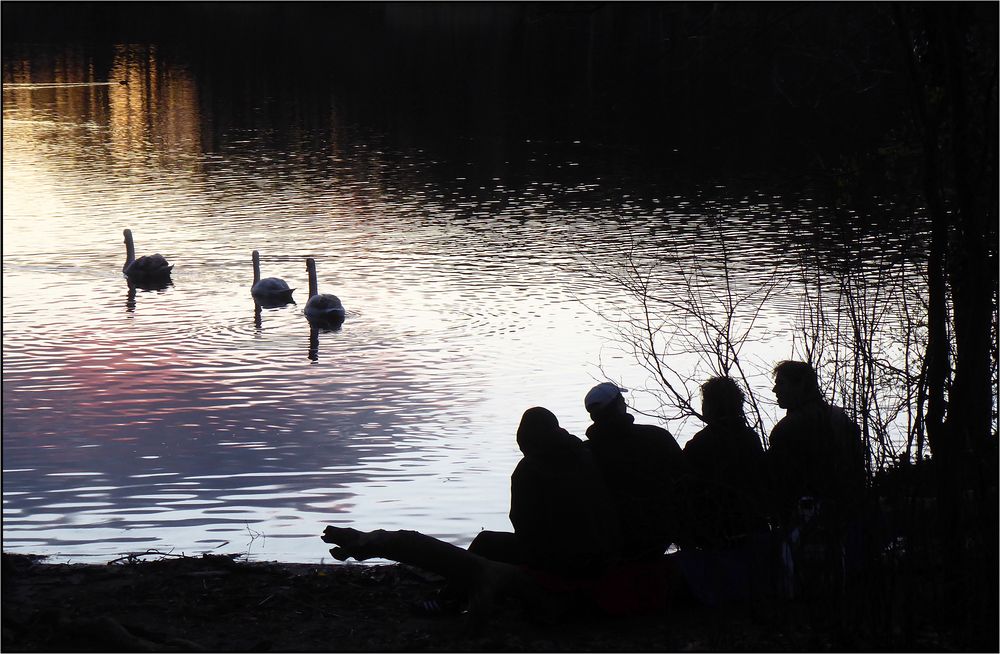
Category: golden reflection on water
[156,107]
[154,113]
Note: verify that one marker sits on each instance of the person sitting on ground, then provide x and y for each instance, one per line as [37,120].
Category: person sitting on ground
[725,495]
[815,451]
[640,464]
[562,515]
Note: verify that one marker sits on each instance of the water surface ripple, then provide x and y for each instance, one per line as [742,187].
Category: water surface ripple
[188,419]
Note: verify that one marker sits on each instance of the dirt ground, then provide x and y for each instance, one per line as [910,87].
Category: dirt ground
[215,603]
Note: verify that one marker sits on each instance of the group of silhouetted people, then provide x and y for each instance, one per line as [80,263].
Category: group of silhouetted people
[594,519]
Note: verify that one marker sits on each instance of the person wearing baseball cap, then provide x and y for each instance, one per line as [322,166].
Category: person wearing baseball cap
[603,397]
[640,464]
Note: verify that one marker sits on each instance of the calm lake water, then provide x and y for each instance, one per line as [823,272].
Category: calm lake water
[185,420]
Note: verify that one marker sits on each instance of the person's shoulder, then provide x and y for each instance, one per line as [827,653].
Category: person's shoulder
[580,450]
[651,430]
[597,432]
[783,430]
[571,441]
[839,414]
[806,417]
[656,439]
[843,422]
[751,440]
[701,440]
[523,469]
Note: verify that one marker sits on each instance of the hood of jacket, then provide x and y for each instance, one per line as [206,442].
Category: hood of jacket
[540,436]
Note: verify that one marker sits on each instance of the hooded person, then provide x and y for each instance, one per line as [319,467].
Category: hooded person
[559,505]
[640,464]
[563,518]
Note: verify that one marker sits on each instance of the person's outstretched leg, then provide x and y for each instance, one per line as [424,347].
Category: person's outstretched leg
[484,579]
[409,547]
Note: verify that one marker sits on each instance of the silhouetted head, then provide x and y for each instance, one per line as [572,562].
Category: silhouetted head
[722,401]
[605,401]
[539,433]
[795,383]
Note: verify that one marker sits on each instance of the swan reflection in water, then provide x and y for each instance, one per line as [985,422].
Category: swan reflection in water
[157,286]
[260,304]
[315,327]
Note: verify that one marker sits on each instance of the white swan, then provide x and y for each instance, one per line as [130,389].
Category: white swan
[270,289]
[321,306]
[150,268]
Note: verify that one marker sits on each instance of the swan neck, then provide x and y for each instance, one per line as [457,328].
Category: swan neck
[312,279]
[129,249]
[256,268]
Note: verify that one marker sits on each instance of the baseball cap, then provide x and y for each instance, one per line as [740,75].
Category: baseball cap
[602,395]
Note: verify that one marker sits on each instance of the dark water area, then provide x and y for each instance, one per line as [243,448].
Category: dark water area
[697,91]
[455,170]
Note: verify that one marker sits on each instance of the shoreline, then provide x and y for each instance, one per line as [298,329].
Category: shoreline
[216,603]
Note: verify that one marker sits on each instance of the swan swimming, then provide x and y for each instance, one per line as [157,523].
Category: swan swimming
[321,306]
[151,268]
[269,289]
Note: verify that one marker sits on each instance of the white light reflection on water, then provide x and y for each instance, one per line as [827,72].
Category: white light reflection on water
[183,419]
